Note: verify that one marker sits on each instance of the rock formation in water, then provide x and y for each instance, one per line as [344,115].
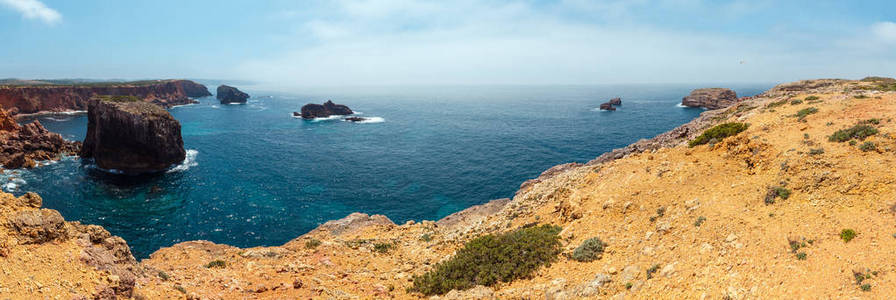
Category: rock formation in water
[711,98]
[22,145]
[131,136]
[355,119]
[311,111]
[607,106]
[615,101]
[28,99]
[611,105]
[228,94]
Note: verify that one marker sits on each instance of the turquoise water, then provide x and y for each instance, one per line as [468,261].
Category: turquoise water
[258,176]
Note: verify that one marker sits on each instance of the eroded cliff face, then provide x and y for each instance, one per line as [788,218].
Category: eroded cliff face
[680,222]
[132,136]
[22,145]
[711,98]
[59,98]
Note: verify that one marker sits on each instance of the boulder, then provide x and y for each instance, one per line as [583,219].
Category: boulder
[712,98]
[355,119]
[607,106]
[311,111]
[228,94]
[615,101]
[132,136]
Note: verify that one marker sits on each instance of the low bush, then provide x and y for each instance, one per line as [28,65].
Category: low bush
[812,98]
[718,133]
[216,264]
[312,243]
[859,132]
[383,247]
[652,270]
[164,276]
[868,146]
[699,221]
[490,259]
[591,249]
[801,114]
[847,235]
[817,151]
[776,192]
[795,102]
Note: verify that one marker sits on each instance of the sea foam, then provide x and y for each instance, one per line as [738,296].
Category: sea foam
[189,162]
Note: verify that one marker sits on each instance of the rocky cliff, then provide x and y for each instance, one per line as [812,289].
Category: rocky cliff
[712,98]
[228,94]
[27,99]
[22,145]
[131,136]
[799,205]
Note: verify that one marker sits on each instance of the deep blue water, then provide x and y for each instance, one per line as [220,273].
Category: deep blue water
[262,177]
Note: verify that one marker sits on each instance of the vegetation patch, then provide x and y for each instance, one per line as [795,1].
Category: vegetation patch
[164,276]
[796,101]
[490,259]
[860,132]
[216,264]
[868,146]
[118,98]
[847,235]
[660,212]
[699,221]
[801,115]
[776,104]
[426,237]
[718,133]
[383,247]
[812,98]
[312,243]
[776,192]
[652,270]
[591,249]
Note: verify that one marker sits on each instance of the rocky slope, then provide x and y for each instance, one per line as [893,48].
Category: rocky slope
[711,98]
[22,145]
[28,99]
[131,136]
[709,221]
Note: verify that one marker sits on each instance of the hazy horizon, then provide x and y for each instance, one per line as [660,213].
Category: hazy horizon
[424,43]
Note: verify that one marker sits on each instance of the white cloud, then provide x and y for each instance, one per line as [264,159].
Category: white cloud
[34,9]
[885,31]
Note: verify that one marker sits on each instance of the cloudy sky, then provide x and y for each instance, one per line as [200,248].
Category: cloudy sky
[412,42]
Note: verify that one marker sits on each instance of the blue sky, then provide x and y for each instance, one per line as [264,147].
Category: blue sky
[412,42]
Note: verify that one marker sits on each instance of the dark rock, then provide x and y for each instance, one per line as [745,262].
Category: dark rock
[311,111]
[132,137]
[712,98]
[58,98]
[229,94]
[355,119]
[615,101]
[607,106]
[195,90]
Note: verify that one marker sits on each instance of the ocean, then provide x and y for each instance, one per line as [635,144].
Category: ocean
[257,176]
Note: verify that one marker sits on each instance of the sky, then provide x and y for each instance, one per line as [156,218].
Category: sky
[461,42]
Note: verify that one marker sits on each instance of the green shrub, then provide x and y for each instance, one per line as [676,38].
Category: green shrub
[872,121]
[859,132]
[776,104]
[591,249]
[699,221]
[216,264]
[383,247]
[180,289]
[776,192]
[866,287]
[795,102]
[118,98]
[847,235]
[801,114]
[652,270]
[426,237]
[719,132]
[860,97]
[816,151]
[801,256]
[163,275]
[868,146]
[812,98]
[312,243]
[490,259]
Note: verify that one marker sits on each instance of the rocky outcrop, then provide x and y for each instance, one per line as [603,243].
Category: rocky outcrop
[615,101]
[611,105]
[311,111]
[90,261]
[607,106]
[22,145]
[59,98]
[131,136]
[352,223]
[711,98]
[228,94]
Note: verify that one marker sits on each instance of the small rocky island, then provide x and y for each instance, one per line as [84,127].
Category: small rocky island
[131,136]
[711,98]
[22,145]
[228,94]
[611,105]
[311,111]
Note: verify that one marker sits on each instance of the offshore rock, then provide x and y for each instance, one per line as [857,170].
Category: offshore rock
[228,94]
[21,146]
[311,111]
[712,98]
[131,136]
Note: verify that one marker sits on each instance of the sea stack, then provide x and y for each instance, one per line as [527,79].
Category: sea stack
[311,111]
[611,105]
[22,145]
[712,98]
[131,136]
[228,94]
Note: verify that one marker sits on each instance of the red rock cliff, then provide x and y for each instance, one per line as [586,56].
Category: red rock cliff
[57,98]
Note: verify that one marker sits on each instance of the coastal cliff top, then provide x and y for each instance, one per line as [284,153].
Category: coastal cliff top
[79,83]
[789,194]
